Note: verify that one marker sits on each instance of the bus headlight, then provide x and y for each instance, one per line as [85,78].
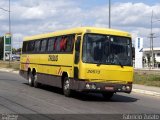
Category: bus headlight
[124,88]
[93,86]
[87,86]
[128,87]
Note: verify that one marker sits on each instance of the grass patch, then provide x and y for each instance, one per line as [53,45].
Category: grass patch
[147,79]
[13,64]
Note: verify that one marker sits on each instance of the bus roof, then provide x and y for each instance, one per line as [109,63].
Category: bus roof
[79,31]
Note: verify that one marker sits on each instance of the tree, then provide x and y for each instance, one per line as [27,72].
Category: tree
[14,50]
[155,61]
[149,60]
[19,50]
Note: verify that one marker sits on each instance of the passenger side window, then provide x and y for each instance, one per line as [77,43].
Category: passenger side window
[24,49]
[30,47]
[63,44]
[69,43]
[66,43]
[51,44]
[57,44]
[37,45]
[43,45]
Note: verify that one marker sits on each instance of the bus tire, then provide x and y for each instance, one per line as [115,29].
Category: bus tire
[36,84]
[30,79]
[66,87]
[107,95]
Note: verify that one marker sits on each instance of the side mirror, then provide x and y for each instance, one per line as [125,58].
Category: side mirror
[77,45]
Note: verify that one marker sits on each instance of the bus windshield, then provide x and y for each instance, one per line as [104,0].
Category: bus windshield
[107,49]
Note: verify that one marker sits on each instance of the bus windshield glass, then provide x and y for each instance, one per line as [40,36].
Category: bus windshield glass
[107,49]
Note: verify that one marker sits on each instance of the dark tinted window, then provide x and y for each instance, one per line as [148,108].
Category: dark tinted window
[57,44]
[43,45]
[24,49]
[30,46]
[158,54]
[63,44]
[70,43]
[51,42]
[37,45]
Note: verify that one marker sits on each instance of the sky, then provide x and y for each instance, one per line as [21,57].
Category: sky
[30,17]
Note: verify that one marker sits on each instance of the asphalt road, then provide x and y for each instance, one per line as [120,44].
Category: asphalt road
[16,97]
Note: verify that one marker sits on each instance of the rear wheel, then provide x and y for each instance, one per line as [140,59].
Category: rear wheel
[36,84]
[66,87]
[108,95]
[30,79]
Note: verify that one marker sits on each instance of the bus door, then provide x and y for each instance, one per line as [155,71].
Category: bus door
[77,56]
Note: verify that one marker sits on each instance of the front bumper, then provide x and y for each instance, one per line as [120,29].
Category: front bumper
[85,86]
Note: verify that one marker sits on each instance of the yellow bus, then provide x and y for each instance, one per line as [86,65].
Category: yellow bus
[86,59]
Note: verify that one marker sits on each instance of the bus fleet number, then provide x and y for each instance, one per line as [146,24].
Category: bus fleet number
[94,71]
[53,58]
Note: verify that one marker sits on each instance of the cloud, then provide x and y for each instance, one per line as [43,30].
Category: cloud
[31,17]
[132,17]
[32,13]
[17,40]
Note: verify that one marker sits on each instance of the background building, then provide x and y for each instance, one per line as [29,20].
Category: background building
[6,47]
[138,53]
[147,57]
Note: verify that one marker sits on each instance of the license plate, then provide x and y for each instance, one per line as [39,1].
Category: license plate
[109,88]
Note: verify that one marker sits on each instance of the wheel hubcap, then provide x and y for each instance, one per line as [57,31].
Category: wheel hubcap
[35,78]
[29,80]
[66,85]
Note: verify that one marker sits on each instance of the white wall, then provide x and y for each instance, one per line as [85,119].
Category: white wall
[138,52]
[157,57]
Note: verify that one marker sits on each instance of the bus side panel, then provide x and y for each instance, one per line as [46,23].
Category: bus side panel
[49,80]
[49,71]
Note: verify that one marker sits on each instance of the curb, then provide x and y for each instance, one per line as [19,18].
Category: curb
[9,70]
[151,93]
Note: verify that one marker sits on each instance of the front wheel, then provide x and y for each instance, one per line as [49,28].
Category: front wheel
[66,87]
[108,95]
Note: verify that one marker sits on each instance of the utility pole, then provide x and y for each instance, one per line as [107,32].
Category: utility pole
[151,50]
[9,27]
[9,17]
[109,24]
[151,41]
[9,20]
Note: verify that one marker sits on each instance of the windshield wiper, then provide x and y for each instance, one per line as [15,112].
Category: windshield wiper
[98,64]
[119,62]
